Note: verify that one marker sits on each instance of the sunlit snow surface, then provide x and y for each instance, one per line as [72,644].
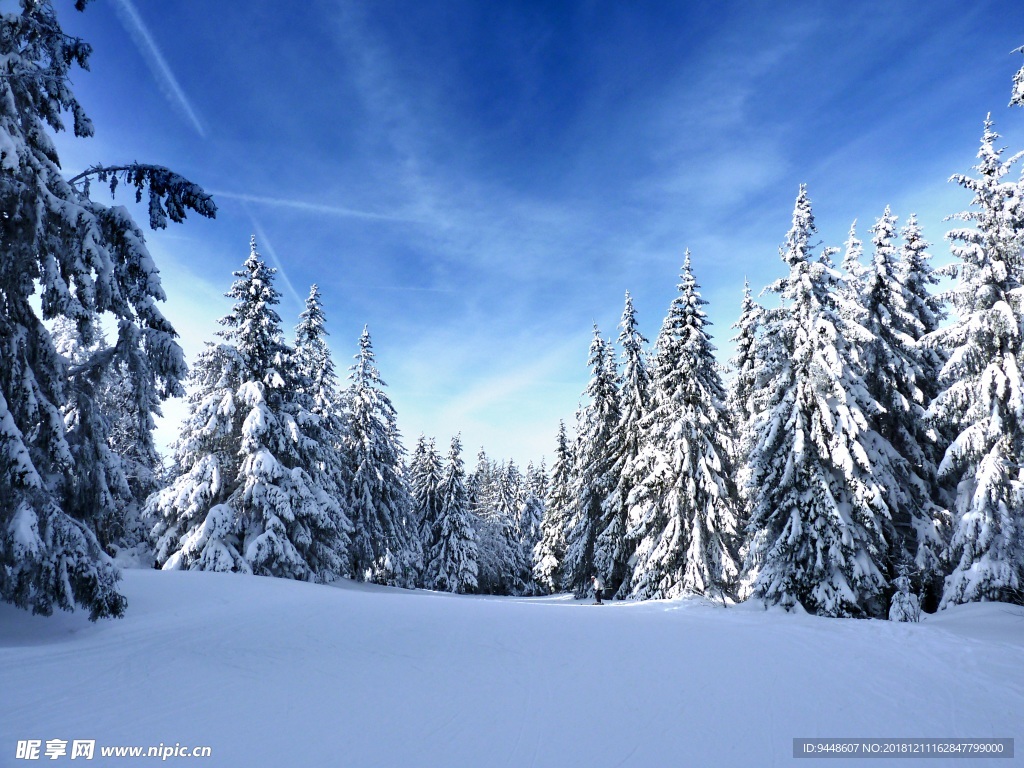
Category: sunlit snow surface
[270,672]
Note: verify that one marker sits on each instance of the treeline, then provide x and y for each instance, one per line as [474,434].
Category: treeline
[865,456]
[278,471]
[864,452]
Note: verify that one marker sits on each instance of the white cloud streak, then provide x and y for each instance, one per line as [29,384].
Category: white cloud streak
[263,243]
[133,23]
[302,205]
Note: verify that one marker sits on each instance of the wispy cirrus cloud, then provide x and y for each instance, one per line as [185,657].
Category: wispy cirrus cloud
[147,46]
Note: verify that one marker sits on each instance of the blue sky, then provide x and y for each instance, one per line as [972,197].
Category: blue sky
[480,182]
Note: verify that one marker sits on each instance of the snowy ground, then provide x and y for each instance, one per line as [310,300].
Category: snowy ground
[269,672]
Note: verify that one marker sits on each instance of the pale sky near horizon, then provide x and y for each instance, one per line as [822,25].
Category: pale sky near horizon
[480,182]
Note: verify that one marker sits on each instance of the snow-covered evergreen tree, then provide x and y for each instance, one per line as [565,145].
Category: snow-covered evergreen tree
[919,280]
[549,552]
[820,475]
[125,466]
[1017,95]
[385,546]
[507,526]
[482,493]
[244,499]
[594,506]
[312,357]
[483,489]
[742,404]
[481,485]
[316,386]
[905,604]
[451,561]
[982,400]
[855,274]
[614,550]
[537,479]
[130,438]
[85,260]
[532,515]
[424,485]
[88,424]
[896,370]
[683,515]
[741,401]
[498,498]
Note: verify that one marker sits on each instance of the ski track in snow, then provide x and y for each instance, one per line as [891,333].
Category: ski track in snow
[270,672]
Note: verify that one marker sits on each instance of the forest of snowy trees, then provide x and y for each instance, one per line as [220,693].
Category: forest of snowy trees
[861,455]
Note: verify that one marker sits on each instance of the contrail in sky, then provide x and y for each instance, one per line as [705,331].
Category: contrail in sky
[301,205]
[158,65]
[263,244]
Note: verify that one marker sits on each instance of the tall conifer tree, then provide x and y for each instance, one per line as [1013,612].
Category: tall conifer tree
[982,400]
[896,370]
[424,484]
[451,562]
[614,548]
[549,553]
[66,255]
[743,405]
[594,480]
[820,474]
[385,546]
[317,389]
[245,499]
[683,515]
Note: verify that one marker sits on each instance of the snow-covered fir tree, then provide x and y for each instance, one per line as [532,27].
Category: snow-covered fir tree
[497,495]
[88,423]
[451,549]
[854,273]
[1017,94]
[614,548]
[683,515]
[594,483]
[508,496]
[507,527]
[244,499]
[532,515]
[424,485]
[537,479]
[415,459]
[126,466]
[819,474]
[385,546]
[742,404]
[549,552]
[316,382]
[312,357]
[919,283]
[130,438]
[66,255]
[481,485]
[741,394]
[982,398]
[896,370]
[905,605]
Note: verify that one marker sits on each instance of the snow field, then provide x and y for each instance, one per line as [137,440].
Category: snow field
[272,672]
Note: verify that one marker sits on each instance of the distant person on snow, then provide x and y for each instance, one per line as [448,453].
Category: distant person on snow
[598,588]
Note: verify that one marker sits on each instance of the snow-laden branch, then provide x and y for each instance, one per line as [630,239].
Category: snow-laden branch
[170,193]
